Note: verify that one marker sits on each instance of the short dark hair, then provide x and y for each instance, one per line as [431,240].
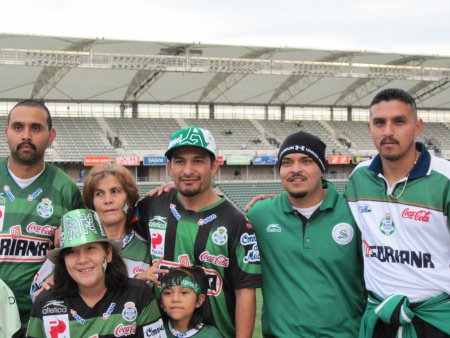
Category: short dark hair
[116,273]
[202,314]
[395,94]
[126,180]
[36,104]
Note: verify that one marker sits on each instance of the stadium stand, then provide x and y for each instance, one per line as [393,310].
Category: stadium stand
[278,130]
[78,137]
[142,133]
[243,133]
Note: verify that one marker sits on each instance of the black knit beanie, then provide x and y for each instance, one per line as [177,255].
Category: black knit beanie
[305,143]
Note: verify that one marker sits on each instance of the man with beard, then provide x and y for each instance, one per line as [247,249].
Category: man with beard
[192,225]
[310,249]
[35,195]
[401,202]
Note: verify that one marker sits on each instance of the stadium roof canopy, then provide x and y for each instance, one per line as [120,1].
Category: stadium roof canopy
[101,70]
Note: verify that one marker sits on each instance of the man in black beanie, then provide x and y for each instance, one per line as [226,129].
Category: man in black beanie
[310,249]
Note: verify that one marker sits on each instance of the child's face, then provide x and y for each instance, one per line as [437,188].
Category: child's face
[86,265]
[179,303]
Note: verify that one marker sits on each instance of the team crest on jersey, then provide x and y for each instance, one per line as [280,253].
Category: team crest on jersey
[35,194]
[129,313]
[157,222]
[387,225]
[220,236]
[342,233]
[45,208]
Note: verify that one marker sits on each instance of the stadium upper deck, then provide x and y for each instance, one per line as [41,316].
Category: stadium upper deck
[104,94]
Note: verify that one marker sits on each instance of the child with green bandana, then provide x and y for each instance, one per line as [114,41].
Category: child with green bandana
[185,306]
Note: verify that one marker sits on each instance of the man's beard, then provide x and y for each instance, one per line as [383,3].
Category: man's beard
[297,195]
[27,158]
[189,192]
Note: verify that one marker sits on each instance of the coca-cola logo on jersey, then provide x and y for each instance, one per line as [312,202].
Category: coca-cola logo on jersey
[137,269]
[420,215]
[220,260]
[125,330]
[45,230]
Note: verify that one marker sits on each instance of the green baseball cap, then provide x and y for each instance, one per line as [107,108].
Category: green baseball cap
[81,226]
[192,137]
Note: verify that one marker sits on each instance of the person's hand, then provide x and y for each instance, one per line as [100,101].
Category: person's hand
[165,187]
[57,237]
[258,198]
[151,274]
[46,285]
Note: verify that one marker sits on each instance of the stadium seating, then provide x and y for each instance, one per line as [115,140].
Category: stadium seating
[143,133]
[78,137]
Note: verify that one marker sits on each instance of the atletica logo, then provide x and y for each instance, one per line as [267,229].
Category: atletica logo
[54,307]
[273,228]
[158,222]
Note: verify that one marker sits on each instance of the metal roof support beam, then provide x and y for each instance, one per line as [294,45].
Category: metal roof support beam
[56,65]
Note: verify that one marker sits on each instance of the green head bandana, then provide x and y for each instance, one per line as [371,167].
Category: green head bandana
[186,282]
[192,137]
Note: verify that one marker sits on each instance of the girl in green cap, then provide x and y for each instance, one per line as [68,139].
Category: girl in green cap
[92,295]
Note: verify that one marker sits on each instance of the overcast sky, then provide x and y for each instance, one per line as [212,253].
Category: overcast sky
[400,26]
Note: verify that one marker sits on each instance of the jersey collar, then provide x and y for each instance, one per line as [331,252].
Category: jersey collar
[420,169]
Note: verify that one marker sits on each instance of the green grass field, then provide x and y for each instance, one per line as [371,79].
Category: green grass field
[257,331]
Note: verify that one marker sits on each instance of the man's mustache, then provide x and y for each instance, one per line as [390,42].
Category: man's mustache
[26,143]
[389,140]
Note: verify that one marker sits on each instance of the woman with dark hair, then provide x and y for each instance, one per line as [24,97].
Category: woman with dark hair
[112,192]
[185,304]
[92,295]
